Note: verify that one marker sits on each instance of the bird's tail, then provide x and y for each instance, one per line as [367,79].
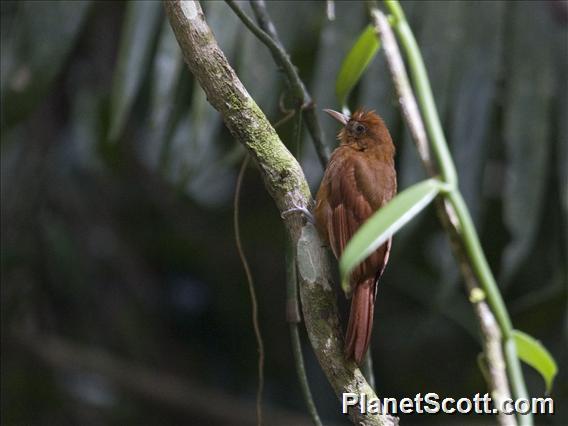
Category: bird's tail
[360,320]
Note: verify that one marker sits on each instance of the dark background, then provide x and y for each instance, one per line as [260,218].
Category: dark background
[123,299]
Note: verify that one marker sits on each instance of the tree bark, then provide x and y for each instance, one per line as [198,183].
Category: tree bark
[285,181]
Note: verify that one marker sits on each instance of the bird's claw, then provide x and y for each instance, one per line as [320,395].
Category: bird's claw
[301,210]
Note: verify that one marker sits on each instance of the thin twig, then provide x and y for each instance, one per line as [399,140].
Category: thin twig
[267,34]
[303,97]
[266,24]
[492,339]
[287,116]
[276,50]
[252,292]
[406,99]
[288,113]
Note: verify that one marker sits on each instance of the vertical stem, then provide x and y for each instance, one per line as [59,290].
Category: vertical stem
[479,263]
[496,370]
[424,94]
[293,308]
[302,377]
[250,283]
[516,378]
[487,281]
[266,32]
[448,173]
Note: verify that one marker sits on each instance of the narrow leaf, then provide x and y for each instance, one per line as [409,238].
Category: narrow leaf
[537,356]
[384,223]
[355,63]
[139,30]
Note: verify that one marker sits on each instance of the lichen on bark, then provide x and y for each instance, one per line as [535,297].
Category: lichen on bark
[285,181]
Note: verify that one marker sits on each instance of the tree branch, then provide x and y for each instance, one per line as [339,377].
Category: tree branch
[491,335]
[267,34]
[285,181]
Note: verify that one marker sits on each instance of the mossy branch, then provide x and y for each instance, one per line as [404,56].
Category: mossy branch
[285,181]
[266,33]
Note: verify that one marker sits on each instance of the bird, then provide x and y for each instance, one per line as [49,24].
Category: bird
[359,179]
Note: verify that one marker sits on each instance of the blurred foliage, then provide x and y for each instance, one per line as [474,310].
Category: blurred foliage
[116,186]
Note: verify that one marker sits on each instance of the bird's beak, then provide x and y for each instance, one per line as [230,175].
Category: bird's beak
[342,118]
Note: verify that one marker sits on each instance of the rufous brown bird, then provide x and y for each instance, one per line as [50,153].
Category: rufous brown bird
[359,179]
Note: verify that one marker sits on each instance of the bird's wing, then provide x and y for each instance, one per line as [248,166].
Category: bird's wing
[355,193]
[349,208]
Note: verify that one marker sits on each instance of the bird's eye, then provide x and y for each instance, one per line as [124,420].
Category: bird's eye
[359,129]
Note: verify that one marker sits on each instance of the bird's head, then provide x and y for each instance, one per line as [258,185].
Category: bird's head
[362,129]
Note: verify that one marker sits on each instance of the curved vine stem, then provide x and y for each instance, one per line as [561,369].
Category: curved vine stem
[266,33]
[254,302]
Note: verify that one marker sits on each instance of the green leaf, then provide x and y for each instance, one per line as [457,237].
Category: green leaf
[384,223]
[139,31]
[355,63]
[537,356]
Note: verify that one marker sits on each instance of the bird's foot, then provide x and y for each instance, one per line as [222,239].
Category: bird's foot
[304,212]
